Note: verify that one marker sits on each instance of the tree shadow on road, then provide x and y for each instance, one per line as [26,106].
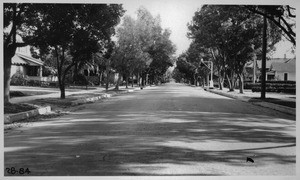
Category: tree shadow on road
[153,143]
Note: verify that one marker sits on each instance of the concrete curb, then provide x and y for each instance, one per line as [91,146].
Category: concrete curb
[43,110]
[24,115]
[273,106]
[103,96]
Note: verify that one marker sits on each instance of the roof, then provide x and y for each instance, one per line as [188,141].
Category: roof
[273,60]
[283,67]
[21,59]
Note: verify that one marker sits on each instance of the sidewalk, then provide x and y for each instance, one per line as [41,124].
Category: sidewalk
[278,101]
[53,93]
[46,102]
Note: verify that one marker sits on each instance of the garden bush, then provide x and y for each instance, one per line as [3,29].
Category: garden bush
[19,79]
[93,80]
[289,87]
[34,83]
[81,80]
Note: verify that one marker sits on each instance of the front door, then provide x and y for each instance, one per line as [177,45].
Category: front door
[285,76]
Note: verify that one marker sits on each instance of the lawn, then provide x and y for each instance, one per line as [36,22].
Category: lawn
[16,108]
[27,93]
[291,104]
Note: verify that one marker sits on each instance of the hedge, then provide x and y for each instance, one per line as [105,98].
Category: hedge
[278,87]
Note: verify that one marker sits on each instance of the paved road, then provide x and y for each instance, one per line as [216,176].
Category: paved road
[166,130]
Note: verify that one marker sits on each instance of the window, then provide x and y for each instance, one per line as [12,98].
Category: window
[32,70]
[270,77]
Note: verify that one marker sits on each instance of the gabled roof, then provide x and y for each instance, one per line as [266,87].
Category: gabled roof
[21,59]
[291,61]
[271,61]
[283,67]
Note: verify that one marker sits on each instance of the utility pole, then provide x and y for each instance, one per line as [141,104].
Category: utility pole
[210,82]
[263,62]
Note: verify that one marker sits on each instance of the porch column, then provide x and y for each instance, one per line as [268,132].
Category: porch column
[41,72]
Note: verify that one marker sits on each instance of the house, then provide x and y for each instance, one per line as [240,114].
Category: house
[22,62]
[277,69]
[284,71]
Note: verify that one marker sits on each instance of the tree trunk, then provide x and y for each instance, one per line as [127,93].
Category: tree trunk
[62,90]
[107,80]
[229,82]
[61,82]
[7,71]
[100,78]
[143,80]
[221,80]
[232,84]
[9,51]
[127,81]
[132,82]
[118,82]
[138,79]
[241,83]
[75,75]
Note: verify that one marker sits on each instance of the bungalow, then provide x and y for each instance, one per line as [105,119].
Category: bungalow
[22,62]
[277,69]
[284,71]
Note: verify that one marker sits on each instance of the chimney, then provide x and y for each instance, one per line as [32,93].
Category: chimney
[284,56]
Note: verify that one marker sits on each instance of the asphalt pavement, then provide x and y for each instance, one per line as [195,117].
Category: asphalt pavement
[171,129]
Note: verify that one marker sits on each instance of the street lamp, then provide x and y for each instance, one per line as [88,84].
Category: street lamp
[211,83]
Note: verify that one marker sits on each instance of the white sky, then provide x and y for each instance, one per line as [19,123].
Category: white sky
[175,14]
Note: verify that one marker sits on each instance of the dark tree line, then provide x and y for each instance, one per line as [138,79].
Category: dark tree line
[68,34]
[230,36]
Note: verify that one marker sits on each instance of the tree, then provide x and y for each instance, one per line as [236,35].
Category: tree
[161,53]
[80,29]
[127,48]
[177,75]
[209,39]
[143,47]
[195,55]
[185,68]
[19,20]
[283,16]
[147,27]
[233,36]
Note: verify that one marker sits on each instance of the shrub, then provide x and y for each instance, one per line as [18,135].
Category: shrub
[34,83]
[81,80]
[19,79]
[53,84]
[276,87]
[45,84]
[93,80]
[248,85]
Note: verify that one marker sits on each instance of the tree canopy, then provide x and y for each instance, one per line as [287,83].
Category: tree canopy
[74,29]
[231,36]
[143,47]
